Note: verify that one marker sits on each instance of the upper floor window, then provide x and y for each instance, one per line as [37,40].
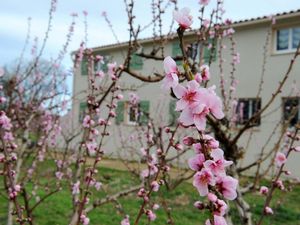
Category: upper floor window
[102,65]
[291,112]
[246,108]
[287,39]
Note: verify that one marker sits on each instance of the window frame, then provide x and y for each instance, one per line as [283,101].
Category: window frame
[127,108]
[290,38]
[251,112]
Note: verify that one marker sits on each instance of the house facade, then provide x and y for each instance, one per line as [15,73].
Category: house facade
[250,38]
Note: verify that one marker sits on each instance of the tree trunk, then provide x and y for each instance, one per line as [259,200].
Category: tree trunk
[242,206]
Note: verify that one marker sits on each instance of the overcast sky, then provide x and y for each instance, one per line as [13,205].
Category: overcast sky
[14,14]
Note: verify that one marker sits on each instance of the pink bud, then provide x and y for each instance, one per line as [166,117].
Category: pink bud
[263,190]
[199,205]
[167,130]
[120,96]
[179,147]
[212,197]
[189,141]
[112,114]
[155,186]
[268,211]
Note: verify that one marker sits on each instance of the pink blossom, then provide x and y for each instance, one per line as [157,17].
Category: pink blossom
[125,221]
[204,2]
[196,163]
[85,220]
[198,78]
[2,100]
[227,186]
[155,186]
[280,159]
[263,190]
[218,164]
[112,69]
[218,220]
[98,185]
[134,99]
[211,142]
[268,210]
[2,157]
[189,141]
[17,188]
[183,18]
[5,121]
[198,148]
[199,205]
[8,136]
[279,184]
[91,147]
[202,179]
[220,207]
[155,207]
[171,71]
[87,122]
[59,175]
[204,71]
[179,147]
[75,188]
[149,172]
[197,111]
[212,197]
[151,215]
[188,96]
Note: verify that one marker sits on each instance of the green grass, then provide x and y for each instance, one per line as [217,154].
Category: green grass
[57,209]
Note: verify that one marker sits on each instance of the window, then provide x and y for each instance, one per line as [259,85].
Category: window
[287,39]
[291,110]
[246,108]
[130,115]
[136,62]
[210,54]
[102,66]
[173,115]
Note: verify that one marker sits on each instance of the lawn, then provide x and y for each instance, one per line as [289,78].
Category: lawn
[56,210]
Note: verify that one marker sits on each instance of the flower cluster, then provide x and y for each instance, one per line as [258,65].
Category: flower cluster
[210,178]
[195,103]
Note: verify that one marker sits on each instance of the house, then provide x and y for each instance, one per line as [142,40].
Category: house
[250,38]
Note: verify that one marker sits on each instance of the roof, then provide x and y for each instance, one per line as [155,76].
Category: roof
[235,24]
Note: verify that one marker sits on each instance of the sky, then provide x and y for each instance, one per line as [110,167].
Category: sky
[14,14]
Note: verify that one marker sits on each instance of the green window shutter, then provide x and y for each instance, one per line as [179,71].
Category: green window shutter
[209,52]
[136,62]
[120,112]
[173,115]
[82,110]
[84,66]
[176,51]
[144,107]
